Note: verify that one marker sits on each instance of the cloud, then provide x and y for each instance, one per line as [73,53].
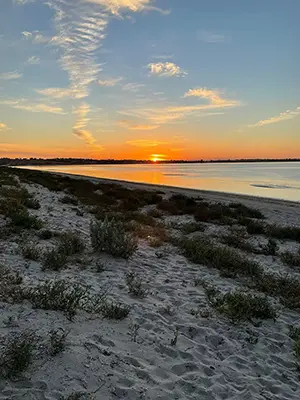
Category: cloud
[145,143]
[36,37]
[284,116]
[132,87]
[165,69]
[213,96]
[116,6]
[163,56]
[2,126]
[82,120]
[164,115]
[34,60]
[24,104]
[209,37]
[110,82]
[60,93]
[135,127]
[8,76]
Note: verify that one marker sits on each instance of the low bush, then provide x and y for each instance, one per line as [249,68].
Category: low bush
[135,285]
[22,219]
[228,261]
[17,353]
[57,341]
[240,210]
[239,306]
[69,200]
[291,259]
[112,310]
[253,227]
[71,243]
[236,240]
[10,286]
[284,232]
[271,248]
[32,203]
[54,259]
[30,251]
[45,234]
[192,227]
[111,237]
[59,295]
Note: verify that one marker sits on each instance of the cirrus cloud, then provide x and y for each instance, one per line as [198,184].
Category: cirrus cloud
[145,143]
[135,127]
[214,96]
[284,116]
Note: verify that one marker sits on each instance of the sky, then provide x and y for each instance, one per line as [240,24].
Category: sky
[146,79]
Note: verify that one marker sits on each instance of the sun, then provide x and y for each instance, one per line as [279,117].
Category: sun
[157,157]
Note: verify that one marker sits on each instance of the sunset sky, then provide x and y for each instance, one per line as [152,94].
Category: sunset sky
[150,79]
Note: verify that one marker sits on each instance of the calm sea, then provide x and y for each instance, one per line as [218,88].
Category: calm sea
[276,180]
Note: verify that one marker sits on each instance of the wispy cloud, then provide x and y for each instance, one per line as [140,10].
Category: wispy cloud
[137,127]
[82,120]
[284,116]
[132,87]
[166,69]
[163,56]
[145,143]
[116,6]
[110,82]
[8,76]
[24,104]
[60,93]
[2,126]
[34,60]
[214,96]
[36,37]
[210,37]
[164,115]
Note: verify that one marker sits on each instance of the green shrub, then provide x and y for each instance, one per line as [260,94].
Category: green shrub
[45,234]
[135,285]
[23,219]
[58,341]
[192,227]
[10,289]
[69,200]
[59,295]
[32,203]
[54,259]
[284,232]
[112,238]
[271,247]
[71,243]
[17,353]
[253,227]
[30,251]
[112,310]
[291,259]
[228,261]
[239,306]
[240,210]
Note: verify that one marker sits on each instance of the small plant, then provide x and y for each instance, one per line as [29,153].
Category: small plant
[69,200]
[30,202]
[17,353]
[58,341]
[112,310]
[192,227]
[295,335]
[45,234]
[100,266]
[54,259]
[239,306]
[30,251]
[135,285]
[235,239]
[112,238]
[271,247]
[71,243]
[10,289]
[133,331]
[253,227]
[291,259]
[175,338]
[59,295]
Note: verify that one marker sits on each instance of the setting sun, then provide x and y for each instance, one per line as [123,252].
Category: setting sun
[157,157]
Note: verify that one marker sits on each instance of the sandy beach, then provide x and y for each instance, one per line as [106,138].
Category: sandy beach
[182,338]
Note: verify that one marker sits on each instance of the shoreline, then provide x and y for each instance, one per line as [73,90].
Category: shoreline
[211,195]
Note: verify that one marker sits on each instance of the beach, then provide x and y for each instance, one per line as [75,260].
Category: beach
[154,322]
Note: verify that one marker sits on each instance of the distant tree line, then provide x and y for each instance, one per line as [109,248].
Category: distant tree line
[88,161]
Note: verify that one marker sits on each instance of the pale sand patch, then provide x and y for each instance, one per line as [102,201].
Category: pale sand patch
[213,359]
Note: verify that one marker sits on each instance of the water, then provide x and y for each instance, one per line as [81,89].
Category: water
[279,180]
